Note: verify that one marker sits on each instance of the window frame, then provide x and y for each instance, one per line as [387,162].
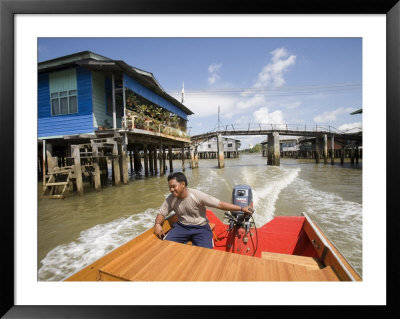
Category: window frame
[58,96]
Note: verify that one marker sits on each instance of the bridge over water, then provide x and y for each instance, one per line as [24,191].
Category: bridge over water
[273,132]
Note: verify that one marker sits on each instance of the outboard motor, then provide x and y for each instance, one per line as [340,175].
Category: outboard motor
[242,196]
[242,235]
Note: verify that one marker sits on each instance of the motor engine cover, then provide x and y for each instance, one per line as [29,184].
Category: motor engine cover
[241,196]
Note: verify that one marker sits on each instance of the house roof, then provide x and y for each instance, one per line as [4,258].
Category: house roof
[356,112]
[97,62]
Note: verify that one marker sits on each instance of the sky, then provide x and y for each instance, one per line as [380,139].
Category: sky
[254,82]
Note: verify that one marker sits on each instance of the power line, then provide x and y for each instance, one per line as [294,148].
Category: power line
[280,91]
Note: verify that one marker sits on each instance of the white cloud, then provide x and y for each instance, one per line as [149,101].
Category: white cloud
[263,116]
[212,69]
[254,101]
[331,116]
[351,127]
[213,78]
[272,73]
[205,106]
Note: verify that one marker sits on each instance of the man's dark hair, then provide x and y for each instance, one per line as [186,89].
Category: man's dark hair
[180,177]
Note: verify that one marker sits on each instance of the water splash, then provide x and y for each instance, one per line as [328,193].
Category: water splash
[93,243]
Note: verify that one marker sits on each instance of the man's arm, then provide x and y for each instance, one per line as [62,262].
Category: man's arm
[231,207]
[158,229]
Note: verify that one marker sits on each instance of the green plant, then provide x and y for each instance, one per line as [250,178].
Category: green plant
[139,122]
[131,99]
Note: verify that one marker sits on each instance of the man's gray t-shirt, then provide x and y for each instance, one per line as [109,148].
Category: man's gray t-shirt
[192,209]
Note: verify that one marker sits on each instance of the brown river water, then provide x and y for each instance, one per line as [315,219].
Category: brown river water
[76,231]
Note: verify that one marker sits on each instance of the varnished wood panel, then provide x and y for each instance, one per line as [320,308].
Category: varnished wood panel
[91,272]
[157,260]
[294,259]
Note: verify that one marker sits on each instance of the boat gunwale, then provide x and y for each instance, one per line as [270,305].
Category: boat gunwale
[329,244]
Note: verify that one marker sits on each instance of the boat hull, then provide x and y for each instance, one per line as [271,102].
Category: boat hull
[285,249]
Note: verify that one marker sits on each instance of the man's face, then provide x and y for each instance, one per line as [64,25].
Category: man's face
[175,187]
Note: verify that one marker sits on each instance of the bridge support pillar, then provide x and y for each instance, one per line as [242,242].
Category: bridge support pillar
[352,154]
[333,149]
[325,149]
[317,150]
[273,149]
[194,157]
[357,154]
[220,146]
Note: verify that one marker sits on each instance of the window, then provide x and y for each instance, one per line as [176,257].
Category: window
[229,144]
[64,102]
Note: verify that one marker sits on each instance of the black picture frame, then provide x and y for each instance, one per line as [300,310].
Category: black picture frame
[8,10]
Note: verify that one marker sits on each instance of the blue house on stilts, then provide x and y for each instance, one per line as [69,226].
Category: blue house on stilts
[105,109]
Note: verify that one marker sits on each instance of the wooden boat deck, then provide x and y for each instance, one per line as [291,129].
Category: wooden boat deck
[147,258]
[157,260]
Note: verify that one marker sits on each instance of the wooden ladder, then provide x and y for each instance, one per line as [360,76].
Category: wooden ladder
[52,186]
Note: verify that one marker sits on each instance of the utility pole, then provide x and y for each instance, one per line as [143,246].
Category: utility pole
[183,92]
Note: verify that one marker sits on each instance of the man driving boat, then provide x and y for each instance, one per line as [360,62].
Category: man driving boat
[190,207]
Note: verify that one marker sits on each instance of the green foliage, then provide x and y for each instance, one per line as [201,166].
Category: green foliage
[255,149]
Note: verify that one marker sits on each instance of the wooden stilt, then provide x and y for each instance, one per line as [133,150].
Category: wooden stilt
[171,169]
[146,160]
[96,167]
[155,159]
[77,168]
[44,164]
[163,160]
[151,161]
[115,163]
[130,161]
[160,157]
[136,160]
[183,159]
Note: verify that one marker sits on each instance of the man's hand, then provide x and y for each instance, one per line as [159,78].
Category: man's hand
[158,231]
[248,210]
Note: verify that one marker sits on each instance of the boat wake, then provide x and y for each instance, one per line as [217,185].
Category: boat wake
[338,218]
[93,243]
[266,185]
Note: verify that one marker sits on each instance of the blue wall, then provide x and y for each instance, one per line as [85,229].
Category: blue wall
[67,124]
[140,89]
